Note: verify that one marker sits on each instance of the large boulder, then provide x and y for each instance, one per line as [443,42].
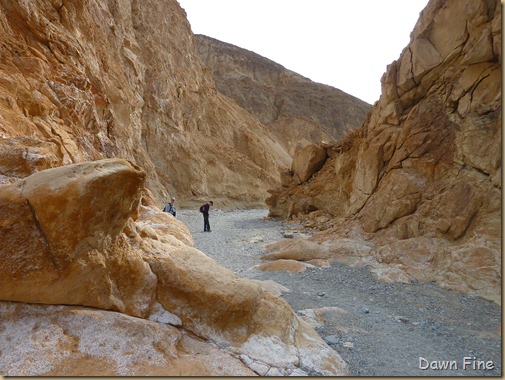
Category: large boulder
[76,341]
[90,235]
[308,161]
[237,313]
[61,241]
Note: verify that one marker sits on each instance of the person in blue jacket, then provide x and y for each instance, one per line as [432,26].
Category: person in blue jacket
[170,207]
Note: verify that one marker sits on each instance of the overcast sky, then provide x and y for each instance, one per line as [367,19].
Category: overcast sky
[346,44]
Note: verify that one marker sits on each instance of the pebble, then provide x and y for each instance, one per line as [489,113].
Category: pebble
[400,318]
[331,339]
[256,239]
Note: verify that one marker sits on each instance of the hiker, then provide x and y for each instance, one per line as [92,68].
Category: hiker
[204,209]
[170,207]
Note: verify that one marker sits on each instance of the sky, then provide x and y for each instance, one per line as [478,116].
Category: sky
[346,44]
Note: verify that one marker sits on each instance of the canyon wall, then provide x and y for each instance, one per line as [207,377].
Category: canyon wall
[297,110]
[105,109]
[87,80]
[419,184]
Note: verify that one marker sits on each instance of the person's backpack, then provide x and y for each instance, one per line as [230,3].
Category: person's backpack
[201,208]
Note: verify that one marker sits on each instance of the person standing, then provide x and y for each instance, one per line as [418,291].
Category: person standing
[170,207]
[204,209]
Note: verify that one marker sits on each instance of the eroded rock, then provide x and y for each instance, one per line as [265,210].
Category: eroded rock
[92,241]
[62,242]
[308,161]
[74,341]
[87,81]
[423,171]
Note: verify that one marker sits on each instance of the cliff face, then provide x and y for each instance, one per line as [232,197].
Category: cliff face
[422,178]
[104,109]
[297,110]
[82,81]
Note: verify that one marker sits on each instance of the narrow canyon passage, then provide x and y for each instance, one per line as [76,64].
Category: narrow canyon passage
[379,329]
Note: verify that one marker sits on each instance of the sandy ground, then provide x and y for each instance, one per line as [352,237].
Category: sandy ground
[379,329]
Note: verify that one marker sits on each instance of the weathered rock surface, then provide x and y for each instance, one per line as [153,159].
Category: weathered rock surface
[89,235]
[61,241]
[76,341]
[296,249]
[308,161]
[421,180]
[298,111]
[82,81]
[283,265]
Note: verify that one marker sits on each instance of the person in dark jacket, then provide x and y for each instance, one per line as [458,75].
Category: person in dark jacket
[204,209]
[170,207]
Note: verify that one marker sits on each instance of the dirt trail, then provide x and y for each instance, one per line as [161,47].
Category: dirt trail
[380,329]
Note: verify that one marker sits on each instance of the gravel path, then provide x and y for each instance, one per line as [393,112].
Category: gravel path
[379,329]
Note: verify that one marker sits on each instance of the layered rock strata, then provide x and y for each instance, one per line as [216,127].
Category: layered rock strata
[297,110]
[421,180]
[89,235]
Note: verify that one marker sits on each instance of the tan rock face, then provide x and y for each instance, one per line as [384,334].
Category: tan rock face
[60,238]
[308,161]
[89,235]
[298,111]
[426,164]
[83,81]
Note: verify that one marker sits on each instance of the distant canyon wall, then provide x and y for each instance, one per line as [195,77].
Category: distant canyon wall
[297,110]
[86,80]
[422,177]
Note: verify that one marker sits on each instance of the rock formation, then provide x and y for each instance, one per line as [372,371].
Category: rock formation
[90,235]
[298,111]
[82,81]
[75,341]
[420,181]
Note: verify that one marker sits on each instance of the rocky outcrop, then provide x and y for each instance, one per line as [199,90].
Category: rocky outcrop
[421,180]
[90,235]
[82,81]
[283,265]
[308,161]
[298,111]
[76,341]
[61,243]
